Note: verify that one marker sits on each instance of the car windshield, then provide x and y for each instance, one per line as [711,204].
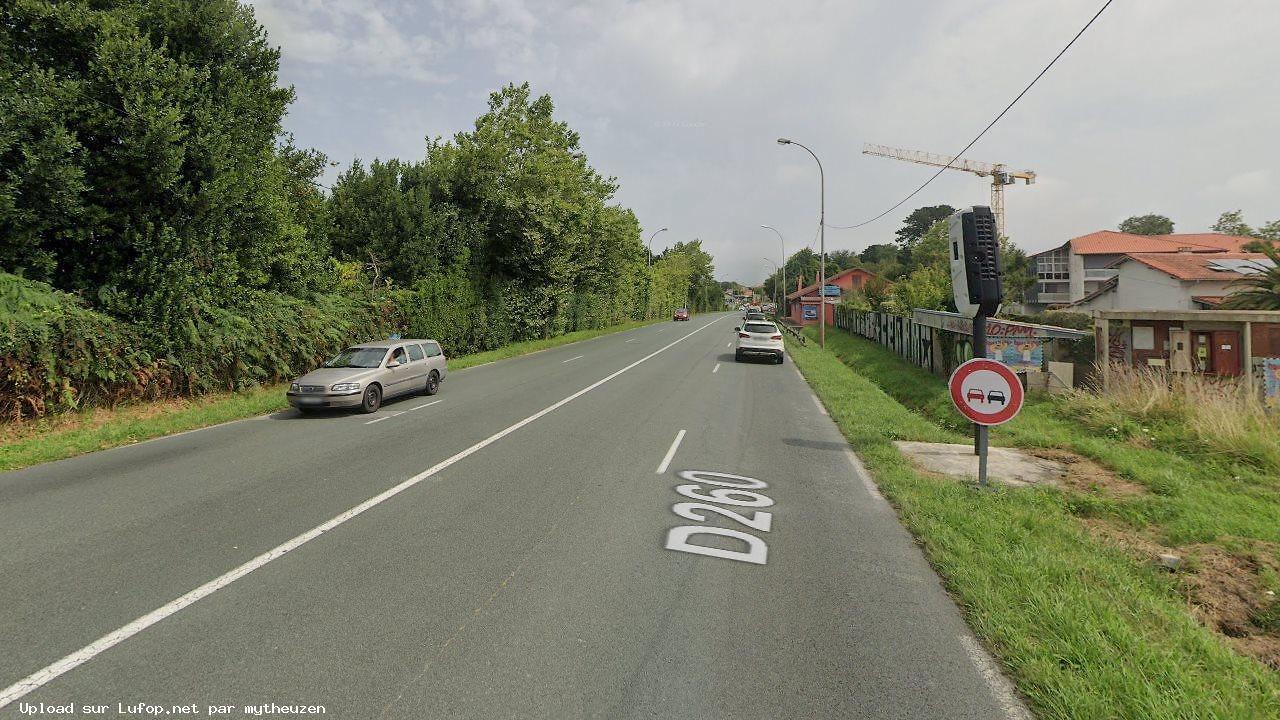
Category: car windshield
[760,328]
[358,357]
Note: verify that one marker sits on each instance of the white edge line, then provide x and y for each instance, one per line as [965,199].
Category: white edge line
[578,357]
[861,471]
[671,452]
[632,340]
[384,417]
[821,408]
[715,369]
[1001,689]
[60,667]
[433,402]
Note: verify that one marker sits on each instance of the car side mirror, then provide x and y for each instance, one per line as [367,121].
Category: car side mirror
[737,329]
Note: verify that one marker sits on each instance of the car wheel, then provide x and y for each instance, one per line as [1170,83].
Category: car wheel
[737,357]
[780,359]
[433,383]
[304,410]
[372,399]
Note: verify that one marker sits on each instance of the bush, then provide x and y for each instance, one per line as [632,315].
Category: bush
[1190,414]
[57,354]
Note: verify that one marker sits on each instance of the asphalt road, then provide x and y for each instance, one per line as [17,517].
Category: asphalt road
[502,552]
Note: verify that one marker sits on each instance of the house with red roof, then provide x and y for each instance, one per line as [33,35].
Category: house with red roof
[1172,281]
[802,305]
[1087,264]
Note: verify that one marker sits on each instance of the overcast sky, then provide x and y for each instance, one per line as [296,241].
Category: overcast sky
[1169,106]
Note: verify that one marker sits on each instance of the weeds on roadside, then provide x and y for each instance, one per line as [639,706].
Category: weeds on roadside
[1189,413]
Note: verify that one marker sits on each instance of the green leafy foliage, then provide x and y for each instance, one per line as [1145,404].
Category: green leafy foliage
[1151,224]
[57,354]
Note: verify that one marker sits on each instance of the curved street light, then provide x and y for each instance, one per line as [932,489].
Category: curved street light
[649,257]
[783,294]
[775,285]
[822,228]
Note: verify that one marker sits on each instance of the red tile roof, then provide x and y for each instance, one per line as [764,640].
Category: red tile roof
[1210,300]
[1191,266]
[1108,242]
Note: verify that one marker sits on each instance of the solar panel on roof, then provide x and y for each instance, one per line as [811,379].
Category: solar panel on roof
[1240,267]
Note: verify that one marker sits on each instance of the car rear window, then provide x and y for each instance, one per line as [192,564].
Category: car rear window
[415,352]
[760,328]
[433,349]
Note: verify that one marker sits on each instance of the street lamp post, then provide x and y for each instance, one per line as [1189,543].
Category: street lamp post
[775,285]
[822,244]
[649,257]
[648,275]
[784,266]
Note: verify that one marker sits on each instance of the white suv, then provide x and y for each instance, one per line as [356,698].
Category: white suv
[759,338]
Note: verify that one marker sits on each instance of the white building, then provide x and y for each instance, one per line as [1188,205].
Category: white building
[1082,265]
[1171,281]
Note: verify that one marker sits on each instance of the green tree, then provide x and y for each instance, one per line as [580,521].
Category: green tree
[1260,291]
[915,226]
[141,165]
[1232,223]
[927,287]
[878,255]
[1147,225]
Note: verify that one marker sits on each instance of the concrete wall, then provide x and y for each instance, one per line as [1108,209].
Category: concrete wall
[1075,265]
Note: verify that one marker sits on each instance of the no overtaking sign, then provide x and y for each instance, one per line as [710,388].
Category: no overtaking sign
[985,391]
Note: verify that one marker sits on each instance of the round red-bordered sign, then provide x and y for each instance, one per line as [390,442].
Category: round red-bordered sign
[985,391]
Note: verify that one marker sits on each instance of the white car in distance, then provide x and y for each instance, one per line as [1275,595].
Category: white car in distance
[759,338]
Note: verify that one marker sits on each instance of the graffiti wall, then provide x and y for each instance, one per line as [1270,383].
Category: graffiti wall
[1271,374]
[1019,353]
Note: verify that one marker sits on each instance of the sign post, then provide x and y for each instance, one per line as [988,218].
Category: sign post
[976,285]
[988,393]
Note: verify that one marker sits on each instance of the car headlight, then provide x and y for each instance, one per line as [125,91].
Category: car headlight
[293,387]
[344,387]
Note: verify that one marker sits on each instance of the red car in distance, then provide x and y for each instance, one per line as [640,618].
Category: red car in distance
[681,314]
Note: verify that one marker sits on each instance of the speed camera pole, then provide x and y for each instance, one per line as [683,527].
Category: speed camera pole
[976,284]
[980,430]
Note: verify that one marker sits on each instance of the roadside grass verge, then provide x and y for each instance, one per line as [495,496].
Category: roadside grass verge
[65,435]
[1085,629]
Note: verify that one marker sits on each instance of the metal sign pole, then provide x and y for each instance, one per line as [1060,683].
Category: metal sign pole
[980,431]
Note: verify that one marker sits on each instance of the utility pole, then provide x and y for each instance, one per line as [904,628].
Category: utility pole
[822,243]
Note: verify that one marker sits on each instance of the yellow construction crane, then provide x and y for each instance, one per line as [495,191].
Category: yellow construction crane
[998,172]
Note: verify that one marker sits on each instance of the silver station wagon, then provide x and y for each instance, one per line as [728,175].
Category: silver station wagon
[364,375]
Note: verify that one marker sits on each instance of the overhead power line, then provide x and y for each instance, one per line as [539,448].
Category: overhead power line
[991,124]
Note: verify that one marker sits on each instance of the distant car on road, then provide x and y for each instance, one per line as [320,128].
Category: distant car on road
[364,375]
[681,314]
[759,338]
[755,315]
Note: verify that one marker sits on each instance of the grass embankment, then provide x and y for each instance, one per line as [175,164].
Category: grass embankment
[1087,628]
[68,434]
